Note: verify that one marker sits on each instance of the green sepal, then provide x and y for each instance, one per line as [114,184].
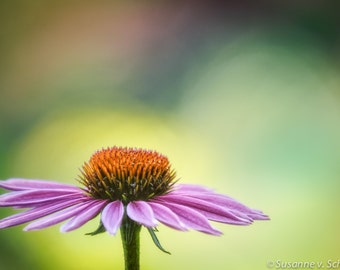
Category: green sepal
[99,230]
[156,241]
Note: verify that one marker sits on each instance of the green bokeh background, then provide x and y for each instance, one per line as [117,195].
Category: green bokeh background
[243,98]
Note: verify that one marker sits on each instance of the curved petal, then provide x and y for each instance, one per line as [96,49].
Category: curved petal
[142,213]
[38,212]
[58,217]
[18,184]
[192,218]
[84,216]
[225,201]
[166,216]
[112,216]
[33,197]
[211,211]
[184,188]
[258,216]
[232,204]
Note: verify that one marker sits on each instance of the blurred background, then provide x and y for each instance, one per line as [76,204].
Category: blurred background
[242,97]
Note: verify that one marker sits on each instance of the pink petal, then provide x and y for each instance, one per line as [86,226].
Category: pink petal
[24,184]
[211,211]
[36,213]
[192,218]
[225,201]
[166,216]
[232,204]
[32,197]
[257,216]
[142,213]
[112,216]
[84,216]
[58,217]
[183,188]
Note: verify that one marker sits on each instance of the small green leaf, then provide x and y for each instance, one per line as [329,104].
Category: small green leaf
[99,230]
[155,240]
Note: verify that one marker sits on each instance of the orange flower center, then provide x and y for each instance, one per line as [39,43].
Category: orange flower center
[127,174]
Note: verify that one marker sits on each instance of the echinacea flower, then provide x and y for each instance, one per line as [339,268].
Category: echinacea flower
[128,187]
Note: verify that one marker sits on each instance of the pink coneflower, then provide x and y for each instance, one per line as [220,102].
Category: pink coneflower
[128,187]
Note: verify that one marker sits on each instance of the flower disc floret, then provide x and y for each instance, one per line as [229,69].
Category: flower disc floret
[127,174]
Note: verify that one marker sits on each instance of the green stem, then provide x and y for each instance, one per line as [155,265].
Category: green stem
[130,237]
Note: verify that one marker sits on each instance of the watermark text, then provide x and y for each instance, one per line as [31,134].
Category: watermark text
[327,264]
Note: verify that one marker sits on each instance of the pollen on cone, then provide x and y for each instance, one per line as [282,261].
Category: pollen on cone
[127,174]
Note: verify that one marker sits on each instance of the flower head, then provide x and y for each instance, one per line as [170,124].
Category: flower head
[123,183]
[127,174]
